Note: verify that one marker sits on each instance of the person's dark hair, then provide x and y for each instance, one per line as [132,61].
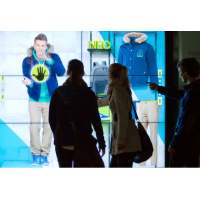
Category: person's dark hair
[75,71]
[189,65]
[41,37]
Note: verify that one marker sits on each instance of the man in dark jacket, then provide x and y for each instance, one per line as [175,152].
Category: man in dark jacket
[40,68]
[185,145]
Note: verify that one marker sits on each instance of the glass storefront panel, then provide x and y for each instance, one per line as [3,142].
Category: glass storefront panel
[97,50]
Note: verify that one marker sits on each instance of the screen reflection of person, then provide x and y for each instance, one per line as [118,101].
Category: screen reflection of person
[184,148]
[40,86]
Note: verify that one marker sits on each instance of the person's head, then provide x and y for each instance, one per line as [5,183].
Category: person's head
[117,70]
[40,45]
[75,70]
[188,68]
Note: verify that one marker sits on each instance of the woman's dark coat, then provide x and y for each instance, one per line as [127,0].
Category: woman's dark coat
[84,110]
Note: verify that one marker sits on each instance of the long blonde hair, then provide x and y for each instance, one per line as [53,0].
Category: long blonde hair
[119,71]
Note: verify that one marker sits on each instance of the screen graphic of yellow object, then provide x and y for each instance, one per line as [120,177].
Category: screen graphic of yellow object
[2,78]
[159,73]
[2,97]
[159,101]
[40,73]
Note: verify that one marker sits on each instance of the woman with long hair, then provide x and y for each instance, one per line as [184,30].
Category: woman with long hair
[125,139]
[84,111]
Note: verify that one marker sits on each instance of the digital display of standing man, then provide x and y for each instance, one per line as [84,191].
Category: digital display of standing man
[40,68]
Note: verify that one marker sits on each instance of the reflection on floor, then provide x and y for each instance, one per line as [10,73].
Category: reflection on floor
[53,163]
[15,162]
[19,164]
[26,164]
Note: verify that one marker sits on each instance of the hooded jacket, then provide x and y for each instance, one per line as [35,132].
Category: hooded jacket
[139,57]
[55,67]
[84,111]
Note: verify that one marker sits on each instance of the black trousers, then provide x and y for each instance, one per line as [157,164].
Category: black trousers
[122,160]
[65,157]
[187,159]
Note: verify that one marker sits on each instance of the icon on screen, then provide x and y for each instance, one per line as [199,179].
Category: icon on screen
[40,73]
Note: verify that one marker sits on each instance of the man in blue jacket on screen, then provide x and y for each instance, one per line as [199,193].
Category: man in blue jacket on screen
[184,148]
[40,69]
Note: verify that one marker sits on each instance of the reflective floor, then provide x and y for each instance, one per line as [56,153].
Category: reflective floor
[53,163]
[17,152]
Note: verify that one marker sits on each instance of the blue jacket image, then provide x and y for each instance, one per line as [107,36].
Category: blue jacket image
[139,57]
[55,67]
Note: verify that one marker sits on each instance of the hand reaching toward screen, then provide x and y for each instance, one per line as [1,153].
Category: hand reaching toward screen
[40,75]
[153,86]
[26,81]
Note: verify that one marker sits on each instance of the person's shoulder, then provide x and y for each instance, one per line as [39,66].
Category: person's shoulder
[56,90]
[54,55]
[195,91]
[192,95]
[88,90]
[59,88]
[120,93]
[119,89]
[27,60]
